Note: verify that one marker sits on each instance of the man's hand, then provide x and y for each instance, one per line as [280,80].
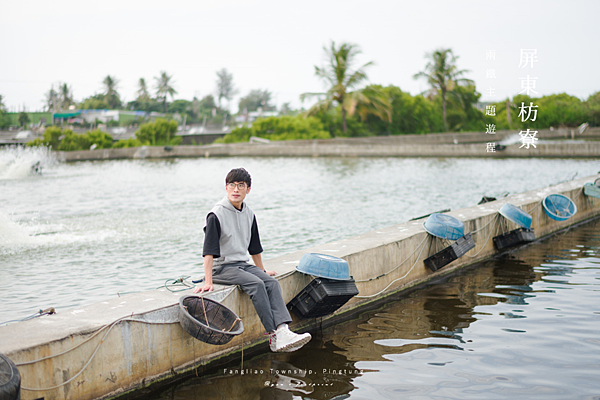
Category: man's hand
[208,283]
[206,287]
[271,273]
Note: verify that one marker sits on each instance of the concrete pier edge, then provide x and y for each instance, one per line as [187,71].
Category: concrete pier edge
[155,349]
[555,144]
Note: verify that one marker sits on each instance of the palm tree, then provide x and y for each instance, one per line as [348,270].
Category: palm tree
[52,100]
[443,75]
[65,96]
[341,79]
[163,88]
[225,88]
[111,96]
[142,93]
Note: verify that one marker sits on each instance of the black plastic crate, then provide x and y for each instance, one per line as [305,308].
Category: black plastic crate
[513,238]
[450,253]
[322,297]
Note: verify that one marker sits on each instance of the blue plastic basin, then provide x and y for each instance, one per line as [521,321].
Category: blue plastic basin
[516,215]
[559,207]
[444,226]
[324,266]
[592,189]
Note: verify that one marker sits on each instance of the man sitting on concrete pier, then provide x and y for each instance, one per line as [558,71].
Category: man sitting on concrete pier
[230,234]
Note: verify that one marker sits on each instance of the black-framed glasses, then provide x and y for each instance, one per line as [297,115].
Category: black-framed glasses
[240,186]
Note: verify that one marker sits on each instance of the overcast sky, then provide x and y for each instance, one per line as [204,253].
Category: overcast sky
[275,45]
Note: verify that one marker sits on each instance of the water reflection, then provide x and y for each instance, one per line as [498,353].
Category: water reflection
[275,376]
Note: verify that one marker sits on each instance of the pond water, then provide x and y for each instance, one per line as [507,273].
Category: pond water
[80,233]
[522,326]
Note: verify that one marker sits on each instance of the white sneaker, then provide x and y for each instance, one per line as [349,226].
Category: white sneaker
[272,341]
[273,345]
[286,340]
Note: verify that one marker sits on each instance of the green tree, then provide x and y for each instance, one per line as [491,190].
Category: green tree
[255,99]
[280,128]
[4,120]
[158,133]
[111,96]
[101,139]
[208,102]
[205,110]
[59,99]
[131,142]
[225,88]
[410,114]
[73,141]
[52,100]
[332,121]
[142,92]
[555,110]
[95,102]
[443,76]
[148,105]
[559,110]
[23,118]
[341,79]
[286,109]
[50,138]
[163,88]
[67,140]
[143,101]
[592,104]
[65,95]
[180,106]
[462,113]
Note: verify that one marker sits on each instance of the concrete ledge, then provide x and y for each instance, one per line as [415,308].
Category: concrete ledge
[470,144]
[136,339]
[333,149]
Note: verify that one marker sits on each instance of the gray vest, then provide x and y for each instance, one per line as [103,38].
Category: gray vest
[235,231]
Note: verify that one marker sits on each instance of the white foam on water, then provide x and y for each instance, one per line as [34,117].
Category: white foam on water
[12,233]
[16,237]
[22,162]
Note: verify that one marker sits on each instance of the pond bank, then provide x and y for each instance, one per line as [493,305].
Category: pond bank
[563,143]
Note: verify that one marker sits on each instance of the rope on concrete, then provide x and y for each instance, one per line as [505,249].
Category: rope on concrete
[279,277]
[398,266]
[109,326]
[538,204]
[402,277]
[489,235]
[492,220]
[589,199]
[181,281]
[536,214]
[578,194]
[47,311]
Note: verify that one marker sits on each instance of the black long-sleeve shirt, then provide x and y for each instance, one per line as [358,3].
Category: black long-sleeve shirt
[212,233]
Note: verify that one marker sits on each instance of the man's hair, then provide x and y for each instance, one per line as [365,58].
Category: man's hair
[238,175]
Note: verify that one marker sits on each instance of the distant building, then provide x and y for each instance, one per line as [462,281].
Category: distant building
[35,118]
[253,115]
[81,116]
[103,116]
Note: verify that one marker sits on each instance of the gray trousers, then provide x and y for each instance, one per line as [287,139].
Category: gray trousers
[263,289]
